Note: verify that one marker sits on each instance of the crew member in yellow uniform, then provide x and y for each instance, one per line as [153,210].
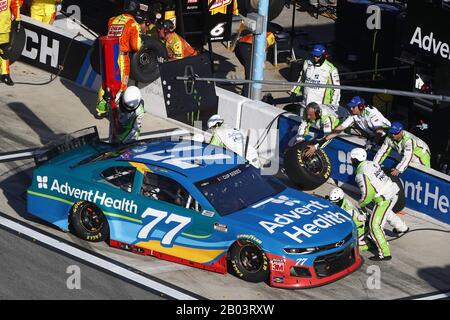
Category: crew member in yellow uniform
[177,47]
[8,10]
[45,10]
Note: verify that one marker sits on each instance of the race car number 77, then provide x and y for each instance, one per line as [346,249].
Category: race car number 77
[159,216]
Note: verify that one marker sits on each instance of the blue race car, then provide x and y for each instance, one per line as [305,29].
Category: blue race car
[193,204]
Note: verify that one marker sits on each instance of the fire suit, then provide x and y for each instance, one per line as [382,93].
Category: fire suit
[44,10]
[359,219]
[325,73]
[413,149]
[328,121]
[128,30]
[377,187]
[234,140]
[368,121]
[8,9]
[178,48]
[130,123]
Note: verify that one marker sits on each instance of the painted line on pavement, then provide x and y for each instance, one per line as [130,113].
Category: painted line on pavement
[96,260]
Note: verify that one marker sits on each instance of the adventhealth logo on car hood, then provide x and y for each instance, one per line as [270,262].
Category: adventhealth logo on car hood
[316,217]
[97,197]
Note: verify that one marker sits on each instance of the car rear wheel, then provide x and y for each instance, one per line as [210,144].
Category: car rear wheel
[88,222]
[307,173]
[248,261]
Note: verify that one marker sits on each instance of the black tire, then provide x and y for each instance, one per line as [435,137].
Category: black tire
[95,56]
[254,270]
[248,6]
[144,63]
[88,222]
[401,201]
[17,43]
[307,174]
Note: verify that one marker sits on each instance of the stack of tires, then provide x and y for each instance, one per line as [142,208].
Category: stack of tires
[358,45]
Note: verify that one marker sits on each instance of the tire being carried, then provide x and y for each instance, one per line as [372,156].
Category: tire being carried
[248,261]
[144,63]
[307,173]
[88,222]
[401,201]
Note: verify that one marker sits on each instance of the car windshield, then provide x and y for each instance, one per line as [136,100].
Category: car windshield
[239,188]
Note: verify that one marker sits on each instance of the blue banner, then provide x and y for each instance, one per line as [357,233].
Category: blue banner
[424,192]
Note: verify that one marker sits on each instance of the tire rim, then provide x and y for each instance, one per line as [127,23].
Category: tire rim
[251,258]
[313,164]
[147,60]
[91,218]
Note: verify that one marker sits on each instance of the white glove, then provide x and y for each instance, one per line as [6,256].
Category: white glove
[58,7]
[161,60]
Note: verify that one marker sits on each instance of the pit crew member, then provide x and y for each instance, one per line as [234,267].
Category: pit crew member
[337,196]
[243,53]
[45,10]
[411,148]
[377,187]
[318,70]
[8,9]
[321,117]
[367,120]
[131,113]
[231,139]
[127,27]
[177,47]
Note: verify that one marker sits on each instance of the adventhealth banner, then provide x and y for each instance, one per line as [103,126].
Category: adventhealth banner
[424,191]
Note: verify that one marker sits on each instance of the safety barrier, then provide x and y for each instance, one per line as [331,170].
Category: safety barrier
[48,47]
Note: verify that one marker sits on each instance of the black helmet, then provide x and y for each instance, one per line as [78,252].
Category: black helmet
[165,24]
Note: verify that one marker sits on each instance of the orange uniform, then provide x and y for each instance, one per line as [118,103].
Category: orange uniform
[8,9]
[178,48]
[128,30]
[270,39]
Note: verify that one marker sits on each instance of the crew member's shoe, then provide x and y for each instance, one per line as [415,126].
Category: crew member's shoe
[102,109]
[378,258]
[400,233]
[6,79]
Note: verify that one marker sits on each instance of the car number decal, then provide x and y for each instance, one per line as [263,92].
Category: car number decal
[159,216]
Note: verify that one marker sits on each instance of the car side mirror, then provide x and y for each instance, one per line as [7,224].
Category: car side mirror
[208,213]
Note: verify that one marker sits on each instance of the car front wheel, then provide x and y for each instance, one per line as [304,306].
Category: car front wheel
[248,261]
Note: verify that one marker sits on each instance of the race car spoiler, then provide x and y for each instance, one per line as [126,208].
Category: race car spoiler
[71,141]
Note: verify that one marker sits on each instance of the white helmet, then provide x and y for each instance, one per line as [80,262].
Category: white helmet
[214,120]
[358,154]
[132,98]
[336,195]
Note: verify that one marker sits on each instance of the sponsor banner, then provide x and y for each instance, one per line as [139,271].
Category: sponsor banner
[427,30]
[46,49]
[425,192]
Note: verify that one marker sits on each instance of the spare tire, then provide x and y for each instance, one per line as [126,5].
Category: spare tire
[401,201]
[17,42]
[144,63]
[307,173]
[95,56]
[248,6]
